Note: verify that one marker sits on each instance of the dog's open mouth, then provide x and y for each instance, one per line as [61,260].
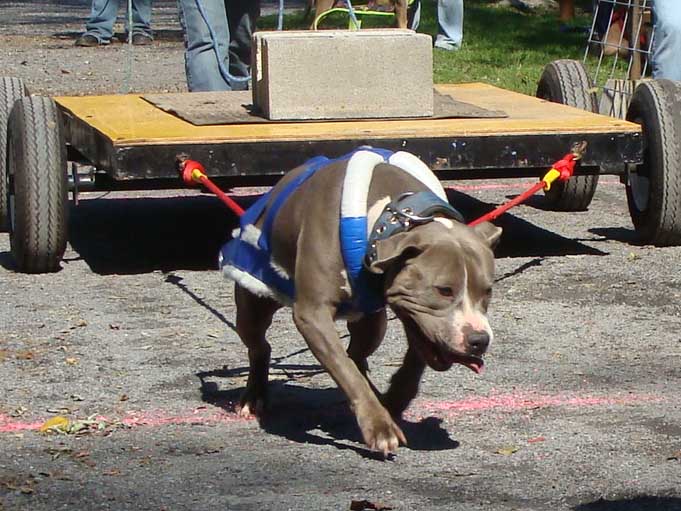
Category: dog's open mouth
[441,359]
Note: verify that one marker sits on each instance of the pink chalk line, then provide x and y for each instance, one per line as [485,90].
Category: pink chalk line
[201,415]
[500,403]
[522,401]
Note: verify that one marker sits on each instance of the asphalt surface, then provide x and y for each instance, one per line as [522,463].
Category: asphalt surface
[578,408]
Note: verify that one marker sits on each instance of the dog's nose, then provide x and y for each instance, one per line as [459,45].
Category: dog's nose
[478,342]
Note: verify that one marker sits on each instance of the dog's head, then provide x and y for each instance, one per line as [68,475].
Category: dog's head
[438,281]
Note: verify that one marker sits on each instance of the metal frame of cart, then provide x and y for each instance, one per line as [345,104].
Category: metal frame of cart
[53,145]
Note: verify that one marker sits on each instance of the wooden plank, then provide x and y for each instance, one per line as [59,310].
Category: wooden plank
[128,120]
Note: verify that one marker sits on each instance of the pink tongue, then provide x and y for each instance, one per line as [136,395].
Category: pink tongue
[475,367]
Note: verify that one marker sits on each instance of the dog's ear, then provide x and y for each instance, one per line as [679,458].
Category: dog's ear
[398,246]
[489,232]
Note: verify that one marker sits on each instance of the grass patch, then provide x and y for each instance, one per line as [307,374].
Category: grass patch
[502,46]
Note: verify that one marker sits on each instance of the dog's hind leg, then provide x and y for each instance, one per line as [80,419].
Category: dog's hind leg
[366,335]
[253,318]
[404,384]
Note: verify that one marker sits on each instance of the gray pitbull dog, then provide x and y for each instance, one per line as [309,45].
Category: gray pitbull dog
[436,275]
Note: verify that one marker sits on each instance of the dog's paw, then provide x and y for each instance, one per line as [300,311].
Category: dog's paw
[381,433]
[250,407]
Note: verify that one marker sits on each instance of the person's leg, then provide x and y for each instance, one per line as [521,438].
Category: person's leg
[666,58]
[567,10]
[241,16]
[414,15]
[141,18]
[203,56]
[450,24]
[101,21]
[602,12]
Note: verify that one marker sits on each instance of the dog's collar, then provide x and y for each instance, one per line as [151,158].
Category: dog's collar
[405,212]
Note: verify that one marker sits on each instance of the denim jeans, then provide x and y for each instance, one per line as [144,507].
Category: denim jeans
[666,54]
[449,20]
[103,14]
[217,41]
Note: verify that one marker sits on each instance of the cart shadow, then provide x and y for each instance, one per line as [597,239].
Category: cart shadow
[141,235]
[318,416]
[520,237]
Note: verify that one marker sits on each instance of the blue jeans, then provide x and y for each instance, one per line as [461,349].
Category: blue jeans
[103,17]
[217,41]
[666,54]
[449,20]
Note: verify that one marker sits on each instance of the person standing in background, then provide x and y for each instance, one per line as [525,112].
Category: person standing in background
[566,10]
[449,21]
[217,39]
[99,26]
[666,51]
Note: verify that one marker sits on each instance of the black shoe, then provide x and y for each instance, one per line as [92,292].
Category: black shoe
[141,39]
[89,40]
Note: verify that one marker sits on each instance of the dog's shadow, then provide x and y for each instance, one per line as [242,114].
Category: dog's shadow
[318,416]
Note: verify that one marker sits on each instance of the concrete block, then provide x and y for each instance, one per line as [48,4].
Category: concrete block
[342,74]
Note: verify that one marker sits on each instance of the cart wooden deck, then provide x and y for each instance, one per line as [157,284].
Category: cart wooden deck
[131,140]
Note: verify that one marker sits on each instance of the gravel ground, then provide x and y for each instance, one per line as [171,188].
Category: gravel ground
[579,408]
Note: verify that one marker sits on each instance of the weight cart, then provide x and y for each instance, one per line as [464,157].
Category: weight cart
[53,146]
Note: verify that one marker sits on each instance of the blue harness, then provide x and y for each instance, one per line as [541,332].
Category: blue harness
[248,255]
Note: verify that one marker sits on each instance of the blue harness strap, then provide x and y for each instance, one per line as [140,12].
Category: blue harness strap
[244,256]
[253,256]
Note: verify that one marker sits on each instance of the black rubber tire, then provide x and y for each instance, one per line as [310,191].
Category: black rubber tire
[655,208]
[567,82]
[11,89]
[37,188]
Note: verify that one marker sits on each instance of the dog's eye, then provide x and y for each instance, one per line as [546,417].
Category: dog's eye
[445,291]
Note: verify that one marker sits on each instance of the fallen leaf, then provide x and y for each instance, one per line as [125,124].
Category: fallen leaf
[71,361]
[674,456]
[507,451]
[361,505]
[124,397]
[56,453]
[114,327]
[56,424]
[26,490]
[81,323]
[19,412]
[112,472]
[62,410]
[24,355]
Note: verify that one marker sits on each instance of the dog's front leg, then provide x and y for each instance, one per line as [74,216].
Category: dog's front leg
[404,384]
[253,318]
[317,326]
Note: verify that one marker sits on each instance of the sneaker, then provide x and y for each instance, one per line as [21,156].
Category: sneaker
[89,40]
[141,40]
[446,45]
